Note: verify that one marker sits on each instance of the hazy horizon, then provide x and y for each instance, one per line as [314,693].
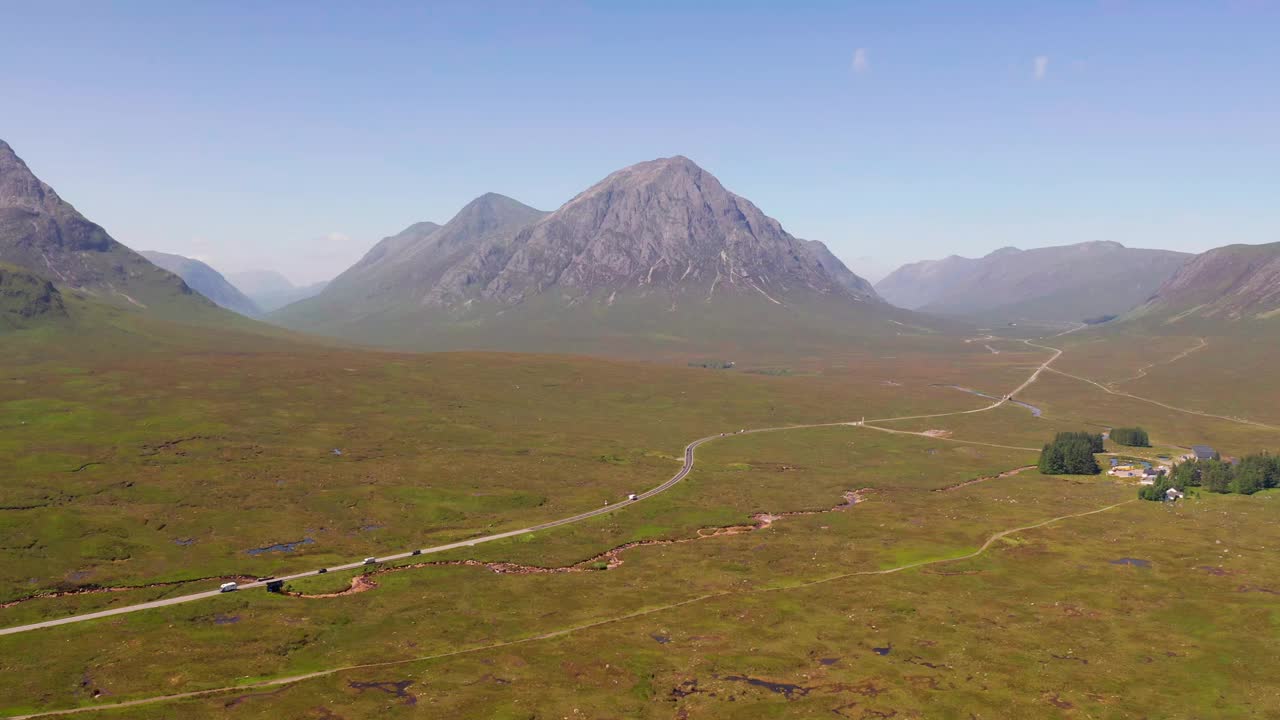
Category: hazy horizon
[295,138]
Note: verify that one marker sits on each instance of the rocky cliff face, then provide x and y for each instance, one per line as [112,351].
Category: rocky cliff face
[661,227]
[1236,282]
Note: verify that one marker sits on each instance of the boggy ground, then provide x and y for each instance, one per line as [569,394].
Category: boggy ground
[1098,615]
[1087,615]
[259,634]
[123,467]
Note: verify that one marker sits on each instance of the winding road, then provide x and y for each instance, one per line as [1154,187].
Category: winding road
[684,471]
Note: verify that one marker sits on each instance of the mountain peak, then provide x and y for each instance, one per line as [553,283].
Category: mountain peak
[660,226]
[490,211]
[1006,250]
[20,188]
[660,244]
[484,215]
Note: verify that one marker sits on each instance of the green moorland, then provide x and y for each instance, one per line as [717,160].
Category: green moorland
[902,605]
[1226,374]
[135,452]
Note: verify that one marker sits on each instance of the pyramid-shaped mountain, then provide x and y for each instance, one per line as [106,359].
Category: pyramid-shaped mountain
[658,251]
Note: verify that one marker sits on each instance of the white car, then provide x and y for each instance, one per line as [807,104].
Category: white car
[633,496]
[228,587]
[370,561]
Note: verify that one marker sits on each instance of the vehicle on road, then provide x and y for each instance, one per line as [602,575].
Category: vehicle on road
[322,571]
[228,587]
[633,496]
[370,561]
[416,552]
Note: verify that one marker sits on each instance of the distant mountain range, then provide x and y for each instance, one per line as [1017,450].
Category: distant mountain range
[204,280]
[44,235]
[658,254]
[1229,284]
[270,290]
[658,250]
[1071,283]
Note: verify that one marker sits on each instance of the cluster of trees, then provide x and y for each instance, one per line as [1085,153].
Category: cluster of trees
[1133,437]
[1251,474]
[1071,453]
[1158,490]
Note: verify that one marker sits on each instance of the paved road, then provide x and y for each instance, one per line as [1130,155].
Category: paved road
[685,469]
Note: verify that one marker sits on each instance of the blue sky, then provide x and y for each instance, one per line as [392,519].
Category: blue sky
[294,136]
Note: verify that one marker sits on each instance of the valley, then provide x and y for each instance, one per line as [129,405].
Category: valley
[425,630]
[577,361]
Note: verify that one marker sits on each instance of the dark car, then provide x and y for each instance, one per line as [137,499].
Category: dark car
[322,571]
[416,552]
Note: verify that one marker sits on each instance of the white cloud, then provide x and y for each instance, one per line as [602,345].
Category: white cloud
[861,61]
[1041,64]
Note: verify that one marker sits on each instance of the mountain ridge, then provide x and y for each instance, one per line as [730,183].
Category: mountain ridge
[43,234]
[1232,283]
[204,280]
[1067,283]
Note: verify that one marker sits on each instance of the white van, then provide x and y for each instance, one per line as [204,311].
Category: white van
[370,561]
[633,496]
[228,587]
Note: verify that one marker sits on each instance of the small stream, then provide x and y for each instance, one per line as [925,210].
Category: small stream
[1035,411]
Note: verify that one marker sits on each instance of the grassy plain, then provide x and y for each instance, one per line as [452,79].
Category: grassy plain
[1225,374]
[128,462]
[1139,610]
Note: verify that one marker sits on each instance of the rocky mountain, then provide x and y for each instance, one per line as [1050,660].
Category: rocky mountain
[1069,283]
[664,227]
[45,235]
[204,280]
[1227,284]
[270,290]
[400,271]
[660,249]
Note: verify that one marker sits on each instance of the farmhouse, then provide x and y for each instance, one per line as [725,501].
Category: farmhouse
[1202,452]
